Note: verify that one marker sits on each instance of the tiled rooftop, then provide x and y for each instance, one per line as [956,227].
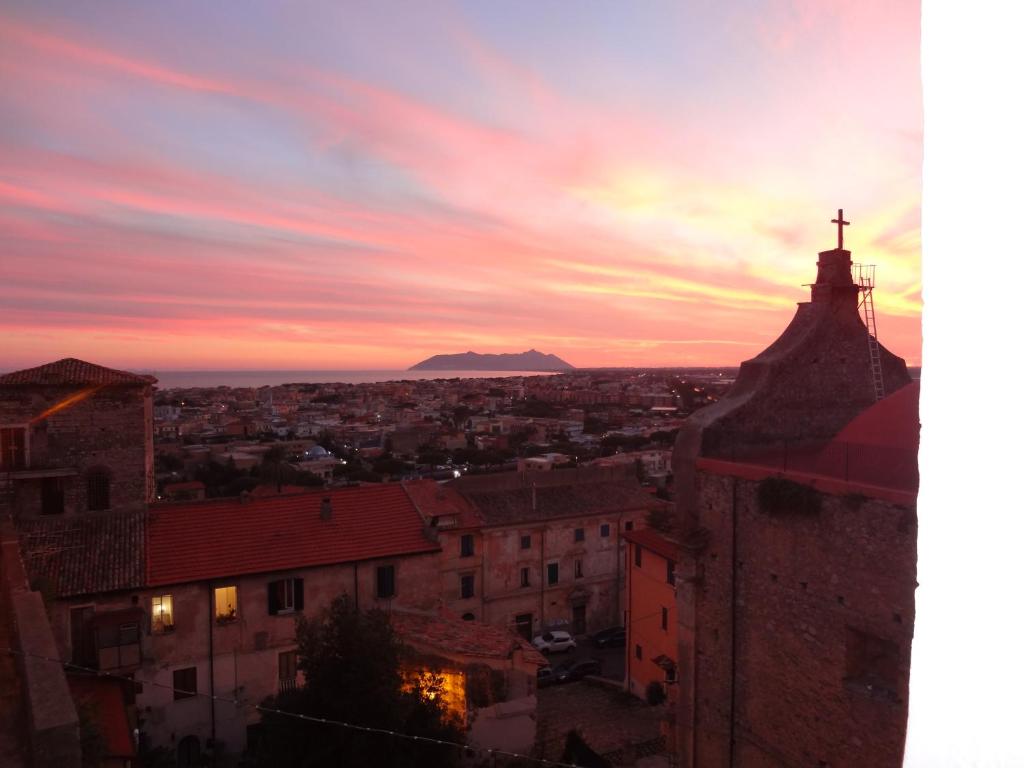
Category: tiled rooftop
[84,554]
[468,638]
[517,504]
[74,373]
[655,542]
[193,541]
[436,500]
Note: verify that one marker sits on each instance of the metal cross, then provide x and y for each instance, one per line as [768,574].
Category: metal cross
[839,225]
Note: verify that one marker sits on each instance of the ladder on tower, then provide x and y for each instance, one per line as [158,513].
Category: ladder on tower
[865,276]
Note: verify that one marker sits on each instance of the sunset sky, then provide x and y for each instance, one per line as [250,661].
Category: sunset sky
[363,185]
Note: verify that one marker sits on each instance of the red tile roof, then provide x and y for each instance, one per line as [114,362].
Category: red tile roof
[653,541]
[447,634]
[84,554]
[75,373]
[218,538]
[436,500]
[892,422]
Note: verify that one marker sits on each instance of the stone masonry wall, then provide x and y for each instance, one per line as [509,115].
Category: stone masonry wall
[824,613]
[110,430]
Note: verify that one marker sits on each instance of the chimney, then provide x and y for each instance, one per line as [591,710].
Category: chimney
[325,508]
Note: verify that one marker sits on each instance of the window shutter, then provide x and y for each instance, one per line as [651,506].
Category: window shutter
[272,604]
[298,595]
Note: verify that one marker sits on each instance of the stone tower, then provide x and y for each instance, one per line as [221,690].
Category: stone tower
[803,388]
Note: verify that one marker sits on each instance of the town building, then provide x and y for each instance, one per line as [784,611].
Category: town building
[487,675]
[75,437]
[542,550]
[200,597]
[651,624]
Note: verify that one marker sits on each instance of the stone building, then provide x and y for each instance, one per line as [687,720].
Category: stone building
[202,596]
[537,551]
[798,549]
[76,437]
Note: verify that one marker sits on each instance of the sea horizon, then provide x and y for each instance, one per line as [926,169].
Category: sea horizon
[273,378]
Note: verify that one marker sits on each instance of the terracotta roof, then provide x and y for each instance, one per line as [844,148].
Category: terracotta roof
[893,421]
[655,542]
[436,500]
[516,505]
[85,554]
[195,541]
[448,634]
[75,373]
[104,698]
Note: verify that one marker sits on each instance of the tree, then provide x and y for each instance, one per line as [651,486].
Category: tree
[351,663]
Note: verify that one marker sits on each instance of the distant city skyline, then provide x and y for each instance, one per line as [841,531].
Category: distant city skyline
[362,187]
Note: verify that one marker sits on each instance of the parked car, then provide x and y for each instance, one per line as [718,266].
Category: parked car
[613,637]
[551,642]
[576,670]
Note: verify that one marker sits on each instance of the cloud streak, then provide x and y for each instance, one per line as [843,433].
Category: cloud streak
[162,207]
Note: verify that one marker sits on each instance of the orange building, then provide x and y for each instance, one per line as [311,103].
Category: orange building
[651,637]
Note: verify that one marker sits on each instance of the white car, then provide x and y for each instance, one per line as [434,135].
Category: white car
[550,642]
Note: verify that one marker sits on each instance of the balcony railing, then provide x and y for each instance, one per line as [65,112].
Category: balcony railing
[286,684]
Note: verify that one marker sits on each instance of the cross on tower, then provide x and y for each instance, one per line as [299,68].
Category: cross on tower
[839,225]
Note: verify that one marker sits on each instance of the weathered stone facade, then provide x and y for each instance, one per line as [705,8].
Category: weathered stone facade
[804,620]
[796,612]
[73,424]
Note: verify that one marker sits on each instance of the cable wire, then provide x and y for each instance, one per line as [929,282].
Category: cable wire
[296,715]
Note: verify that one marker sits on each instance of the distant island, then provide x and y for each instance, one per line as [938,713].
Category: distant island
[531,360]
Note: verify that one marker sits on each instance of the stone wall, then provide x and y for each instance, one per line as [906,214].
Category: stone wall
[804,610]
[110,429]
[599,588]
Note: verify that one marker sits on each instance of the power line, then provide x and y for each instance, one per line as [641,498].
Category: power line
[295,715]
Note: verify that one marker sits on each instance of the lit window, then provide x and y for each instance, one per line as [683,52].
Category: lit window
[163,614]
[226,603]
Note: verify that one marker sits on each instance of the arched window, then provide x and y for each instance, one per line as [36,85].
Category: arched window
[97,490]
[189,752]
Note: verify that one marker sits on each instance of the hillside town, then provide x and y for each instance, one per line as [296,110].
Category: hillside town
[599,567]
[222,441]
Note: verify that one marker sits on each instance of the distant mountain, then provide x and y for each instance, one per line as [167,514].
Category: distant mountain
[471,361]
